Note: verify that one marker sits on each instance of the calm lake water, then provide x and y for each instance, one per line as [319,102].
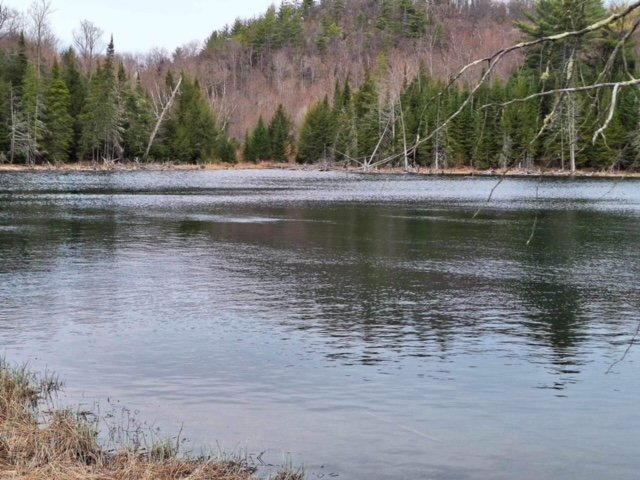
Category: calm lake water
[367,327]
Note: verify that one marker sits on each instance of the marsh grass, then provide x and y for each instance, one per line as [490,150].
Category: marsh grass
[40,441]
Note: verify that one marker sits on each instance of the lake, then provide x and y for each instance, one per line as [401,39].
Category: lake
[364,326]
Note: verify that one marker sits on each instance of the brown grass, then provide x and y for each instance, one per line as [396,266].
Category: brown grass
[39,441]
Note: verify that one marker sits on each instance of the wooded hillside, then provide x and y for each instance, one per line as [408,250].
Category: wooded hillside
[358,81]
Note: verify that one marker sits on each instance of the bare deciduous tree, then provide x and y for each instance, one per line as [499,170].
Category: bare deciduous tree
[88,40]
[10,21]
[41,33]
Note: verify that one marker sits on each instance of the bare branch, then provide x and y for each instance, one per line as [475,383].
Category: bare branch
[585,88]
[39,13]
[9,21]
[88,41]
[612,109]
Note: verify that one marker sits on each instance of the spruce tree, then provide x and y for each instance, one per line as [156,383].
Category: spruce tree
[261,141]
[77,86]
[280,135]
[563,64]
[31,115]
[317,133]
[58,123]
[18,66]
[137,121]
[367,115]
[346,135]
[192,131]
[102,114]
[249,152]
[5,117]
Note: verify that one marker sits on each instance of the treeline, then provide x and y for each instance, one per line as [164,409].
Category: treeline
[555,128]
[72,106]
[59,113]
[285,26]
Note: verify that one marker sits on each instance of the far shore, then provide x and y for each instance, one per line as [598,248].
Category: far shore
[455,171]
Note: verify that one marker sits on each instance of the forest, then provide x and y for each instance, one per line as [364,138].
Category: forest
[307,82]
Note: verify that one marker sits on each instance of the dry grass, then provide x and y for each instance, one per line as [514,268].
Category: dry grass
[41,442]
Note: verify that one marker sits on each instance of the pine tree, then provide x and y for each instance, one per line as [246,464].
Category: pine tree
[77,86]
[317,133]
[58,123]
[280,134]
[31,115]
[137,121]
[18,67]
[520,123]
[261,141]
[102,114]
[562,64]
[249,152]
[366,109]
[191,131]
[5,117]
[226,149]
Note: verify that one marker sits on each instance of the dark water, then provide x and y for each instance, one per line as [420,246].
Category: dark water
[366,326]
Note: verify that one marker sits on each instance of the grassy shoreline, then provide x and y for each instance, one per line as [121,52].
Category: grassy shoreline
[42,441]
[457,171]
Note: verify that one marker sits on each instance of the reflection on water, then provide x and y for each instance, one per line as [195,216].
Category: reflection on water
[368,325]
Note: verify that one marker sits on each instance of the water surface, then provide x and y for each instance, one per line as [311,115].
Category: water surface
[365,326]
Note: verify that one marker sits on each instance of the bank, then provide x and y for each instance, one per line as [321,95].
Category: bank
[42,441]
[426,171]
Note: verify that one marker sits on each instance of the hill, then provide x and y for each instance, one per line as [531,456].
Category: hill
[364,82]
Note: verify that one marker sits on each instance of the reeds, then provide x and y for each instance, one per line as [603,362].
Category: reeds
[39,441]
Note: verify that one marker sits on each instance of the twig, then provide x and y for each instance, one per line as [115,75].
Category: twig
[504,175]
[626,352]
[533,229]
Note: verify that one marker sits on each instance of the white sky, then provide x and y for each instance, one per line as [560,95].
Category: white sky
[140,25]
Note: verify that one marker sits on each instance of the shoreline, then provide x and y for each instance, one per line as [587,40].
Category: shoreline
[454,172]
[42,439]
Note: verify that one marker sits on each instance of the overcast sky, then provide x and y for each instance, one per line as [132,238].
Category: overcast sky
[139,25]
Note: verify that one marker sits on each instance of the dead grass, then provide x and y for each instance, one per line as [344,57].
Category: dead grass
[39,441]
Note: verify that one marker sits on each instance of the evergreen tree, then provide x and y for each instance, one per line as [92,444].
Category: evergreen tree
[261,141]
[191,131]
[5,117]
[249,152]
[18,66]
[562,64]
[520,123]
[59,123]
[137,123]
[102,114]
[77,86]
[226,150]
[280,135]
[367,115]
[31,115]
[317,133]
